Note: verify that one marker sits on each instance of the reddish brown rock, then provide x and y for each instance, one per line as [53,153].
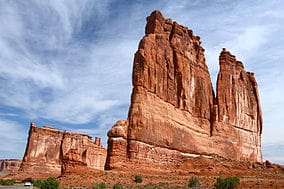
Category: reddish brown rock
[73,161]
[10,164]
[117,145]
[173,112]
[51,151]
[238,125]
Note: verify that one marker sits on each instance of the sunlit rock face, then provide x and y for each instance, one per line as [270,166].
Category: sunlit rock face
[52,151]
[238,121]
[174,113]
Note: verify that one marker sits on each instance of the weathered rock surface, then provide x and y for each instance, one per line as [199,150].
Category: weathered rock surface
[52,151]
[117,145]
[238,121]
[10,164]
[174,113]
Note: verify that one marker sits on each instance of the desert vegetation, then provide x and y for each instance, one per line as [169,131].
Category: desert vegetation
[227,183]
[50,183]
[8,182]
[99,185]
[138,179]
[117,186]
[193,182]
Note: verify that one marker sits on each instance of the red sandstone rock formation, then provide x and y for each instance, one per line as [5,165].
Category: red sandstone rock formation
[51,151]
[173,112]
[238,121]
[10,164]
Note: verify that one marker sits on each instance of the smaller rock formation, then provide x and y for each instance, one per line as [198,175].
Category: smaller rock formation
[117,145]
[52,151]
[10,164]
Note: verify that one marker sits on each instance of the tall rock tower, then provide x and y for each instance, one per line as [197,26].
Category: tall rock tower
[174,114]
[238,122]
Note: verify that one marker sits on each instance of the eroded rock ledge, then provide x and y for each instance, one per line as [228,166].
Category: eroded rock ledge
[174,112]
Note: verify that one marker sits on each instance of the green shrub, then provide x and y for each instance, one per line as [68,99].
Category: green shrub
[193,182]
[99,185]
[138,179]
[37,183]
[50,183]
[227,183]
[8,182]
[117,186]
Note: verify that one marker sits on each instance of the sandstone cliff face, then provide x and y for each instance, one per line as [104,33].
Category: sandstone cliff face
[173,112]
[238,112]
[51,151]
[10,164]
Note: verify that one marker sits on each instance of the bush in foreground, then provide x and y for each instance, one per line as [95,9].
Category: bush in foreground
[50,183]
[227,183]
[37,183]
[117,186]
[99,185]
[193,182]
[8,182]
[138,179]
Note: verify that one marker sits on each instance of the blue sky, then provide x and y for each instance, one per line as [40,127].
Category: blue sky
[68,63]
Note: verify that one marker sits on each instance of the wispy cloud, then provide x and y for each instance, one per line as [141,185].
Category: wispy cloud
[48,70]
[248,42]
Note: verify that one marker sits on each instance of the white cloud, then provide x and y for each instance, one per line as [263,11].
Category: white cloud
[13,138]
[79,107]
[246,44]
[50,63]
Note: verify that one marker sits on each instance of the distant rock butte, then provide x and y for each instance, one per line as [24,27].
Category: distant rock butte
[52,151]
[174,113]
[10,164]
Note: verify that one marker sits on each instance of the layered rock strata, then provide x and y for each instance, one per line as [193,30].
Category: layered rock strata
[10,164]
[52,151]
[174,113]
